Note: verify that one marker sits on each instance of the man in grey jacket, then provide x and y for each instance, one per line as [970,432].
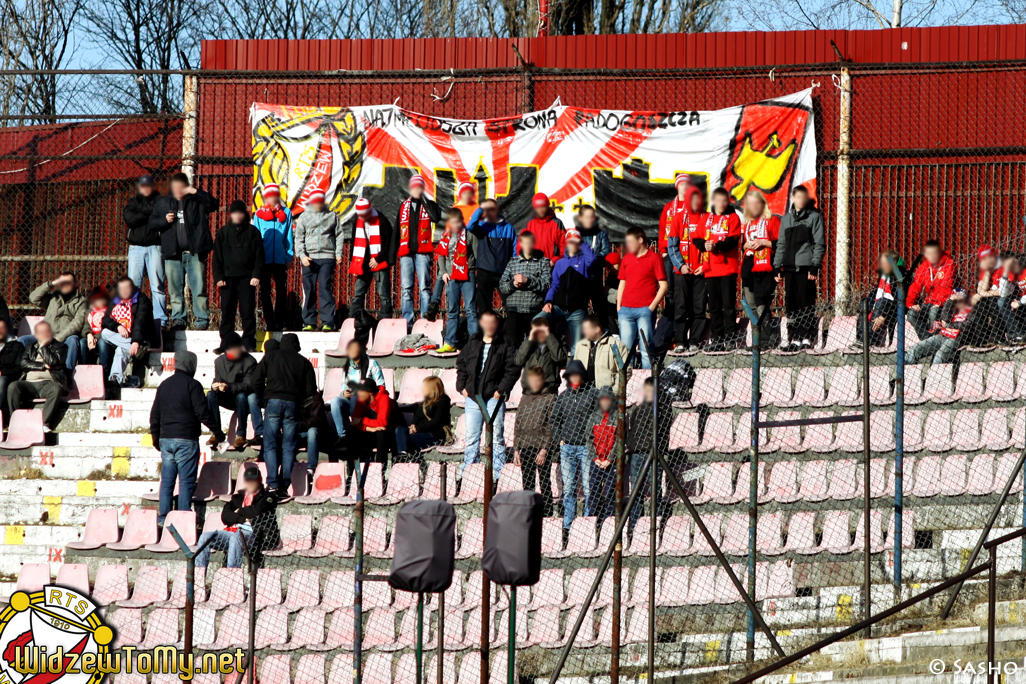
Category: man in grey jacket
[319,241]
[800,251]
[65,309]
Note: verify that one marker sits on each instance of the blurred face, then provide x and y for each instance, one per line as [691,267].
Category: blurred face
[885,265]
[649,393]
[178,189]
[988,263]
[799,198]
[591,331]
[145,190]
[489,325]
[44,333]
[541,211]
[755,204]
[427,389]
[234,352]
[575,379]
[606,404]
[67,284]
[252,486]
[527,244]
[363,395]
[125,289]
[490,211]
[238,217]
[417,191]
[1012,265]
[632,243]
[317,206]
[4,330]
[353,350]
[586,217]
[720,202]
[697,202]
[573,246]
[540,332]
[932,254]
[272,200]
[467,197]
[454,225]
[536,382]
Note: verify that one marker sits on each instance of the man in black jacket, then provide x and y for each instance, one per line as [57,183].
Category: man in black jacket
[181,219]
[571,429]
[486,367]
[238,258]
[231,390]
[44,375]
[285,379]
[638,440]
[178,411]
[249,514]
[11,351]
[144,256]
[128,327]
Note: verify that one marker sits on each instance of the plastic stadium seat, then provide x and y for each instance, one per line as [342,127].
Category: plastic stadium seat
[127,625]
[380,628]
[953,477]
[448,669]
[718,483]
[928,477]
[232,632]
[809,388]
[341,671]
[552,537]
[801,534]
[339,590]
[839,337]
[719,433]
[332,538]
[965,429]
[913,432]
[939,387]
[375,540]
[86,384]
[403,484]
[178,588]
[25,430]
[240,484]
[388,332]
[329,480]
[140,530]
[410,390]
[548,591]
[881,430]
[307,630]
[1003,472]
[937,433]
[708,387]
[836,532]
[458,445]
[881,476]
[214,480]
[674,589]
[700,545]
[472,630]
[735,541]
[813,481]
[111,584]
[1001,382]
[880,390]
[296,535]
[184,523]
[875,532]
[743,484]
[310,669]
[510,478]
[819,438]
[227,589]
[743,434]
[274,669]
[676,538]
[150,587]
[304,590]
[407,637]
[545,631]
[101,528]
[388,376]
[608,527]
[581,539]
[74,576]
[340,635]
[914,384]
[844,387]
[515,396]
[844,481]
[472,539]
[640,539]
[739,389]
[725,591]
[346,333]
[783,483]
[684,431]
[579,586]
[448,378]
[774,580]
[161,628]
[333,381]
[702,587]
[969,385]
[775,387]
[635,384]
[433,481]
[27,326]
[981,475]
[473,485]
[32,577]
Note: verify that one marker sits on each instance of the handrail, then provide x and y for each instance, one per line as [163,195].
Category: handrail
[991,547]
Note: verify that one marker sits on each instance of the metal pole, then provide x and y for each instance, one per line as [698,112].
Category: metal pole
[190,125]
[420,638]
[842,239]
[992,614]
[251,646]
[361,478]
[190,586]
[511,648]
[753,468]
[866,500]
[614,666]
[440,623]
[653,497]
[486,585]
[899,429]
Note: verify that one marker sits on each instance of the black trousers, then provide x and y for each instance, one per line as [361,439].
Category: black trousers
[319,292]
[518,325]
[723,308]
[486,284]
[528,471]
[689,303]
[877,338]
[239,295]
[601,306]
[800,302]
[20,395]
[274,311]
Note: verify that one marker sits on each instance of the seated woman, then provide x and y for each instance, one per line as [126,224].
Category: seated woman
[430,419]
[358,368]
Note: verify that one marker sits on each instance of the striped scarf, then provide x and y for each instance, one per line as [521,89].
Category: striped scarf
[367,244]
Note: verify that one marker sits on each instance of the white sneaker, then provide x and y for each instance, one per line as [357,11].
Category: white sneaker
[46,428]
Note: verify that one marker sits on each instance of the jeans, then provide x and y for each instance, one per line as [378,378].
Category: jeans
[246,406]
[634,322]
[319,287]
[574,465]
[1004,305]
[924,319]
[122,353]
[475,428]
[313,448]
[408,443]
[76,354]
[487,284]
[103,352]
[191,268]
[280,419]
[362,286]
[637,461]
[179,461]
[223,540]
[149,261]
[455,290]
[574,320]
[21,393]
[341,409]
[408,266]
[941,348]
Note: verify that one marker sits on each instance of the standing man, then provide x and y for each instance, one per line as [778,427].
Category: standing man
[274,221]
[673,208]
[144,255]
[178,411]
[495,243]
[571,430]
[486,367]
[414,247]
[319,246]
[128,328]
[185,241]
[932,285]
[642,286]
[760,230]
[689,298]
[285,379]
[587,223]
[719,240]
[549,232]
[523,286]
[44,375]
[457,258]
[370,261]
[799,255]
[238,261]
[467,204]
[65,309]
[571,286]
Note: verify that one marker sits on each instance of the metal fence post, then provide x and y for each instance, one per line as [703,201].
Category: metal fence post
[190,586]
[899,427]
[992,614]
[190,124]
[486,585]
[653,498]
[867,585]
[621,454]
[251,645]
[440,623]
[753,465]
[361,478]
[842,240]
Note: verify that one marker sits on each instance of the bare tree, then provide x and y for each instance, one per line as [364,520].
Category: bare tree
[858,14]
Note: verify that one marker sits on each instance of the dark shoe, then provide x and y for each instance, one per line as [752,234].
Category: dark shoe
[213,441]
[282,495]
[177,325]
[202,327]
[240,443]
[131,382]
[432,311]
[144,349]
[256,443]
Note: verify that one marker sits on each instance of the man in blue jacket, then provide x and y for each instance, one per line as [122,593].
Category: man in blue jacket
[274,221]
[571,289]
[495,240]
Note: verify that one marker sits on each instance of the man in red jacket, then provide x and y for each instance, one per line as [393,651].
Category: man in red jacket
[549,233]
[689,299]
[373,422]
[682,183]
[932,285]
[718,239]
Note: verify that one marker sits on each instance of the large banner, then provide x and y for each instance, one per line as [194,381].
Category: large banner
[621,162]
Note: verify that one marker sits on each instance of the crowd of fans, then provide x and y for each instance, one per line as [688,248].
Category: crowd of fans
[572,307]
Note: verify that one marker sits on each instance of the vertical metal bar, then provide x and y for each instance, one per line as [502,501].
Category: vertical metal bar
[190,604]
[899,430]
[251,645]
[420,638]
[866,500]
[621,455]
[753,477]
[841,239]
[653,485]
[361,478]
[511,648]
[486,585]
[992,615]
[440,623]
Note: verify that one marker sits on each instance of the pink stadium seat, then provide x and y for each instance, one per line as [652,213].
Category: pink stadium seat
[184,523]
[161,628]
[213,481]
[233,630]
[739,389]
[378,669]
[913,431]
[227,589]
[927,480]
[881,476]
[304,590]
[140,530]
[981,475]
[939,387]
[333,380]
[510,479]
[844,387]
[743,434]
[473,485]
[403,484]
[545,631]
[640,540]
[581,539]
[150,587]
[275,669]
[552,537]
[373,487]
[407,638]
[25,430]
[965,429]
[27,326]
[708,387]
[953,477]
[605,630]
[32,577]
[388,332]
[937,433]
[849,435]
[240,483]
[307,630]
[783,483]
[472,539]
[296,535]
[515,396]
[1003,472]
[836,532]
[341,671]
[684,432]
[1001,382]
[725,590]
[735,541]
[203,628]
[674,590]
[448,669]
[635,384]
[970,386]
[448,378]
[433,481]
[410,390]
[881,430]
[714,523]
[676,536]
[86,384]
[111,584]
[345,335]
[548,591]
[458,445]
[177,599]
[329,480]
[127,625]
[914,384]
[819,438]
[718,483]
[272,627]
[809,388]
[839,337]
[375,540]
[876,543]
[579,586]
[637,629]
[472,630]
[340,634]
[101,528]
[332,538]
[719,433]
[310,669]
[844,482]
[743,484]
[388,375]
[775,387]
[788,439]
[813,482]
[338,590]
[880,390]
[774,580]
[74,575]
[801,534]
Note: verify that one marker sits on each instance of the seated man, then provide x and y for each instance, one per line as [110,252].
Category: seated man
[65,310]
[375,417]
[249,515]
[128,327]
[231,390]
[953,318]
[11,352]
[45,375]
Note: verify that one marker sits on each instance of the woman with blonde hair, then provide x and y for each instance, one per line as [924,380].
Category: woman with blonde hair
[431,418]
[759,232]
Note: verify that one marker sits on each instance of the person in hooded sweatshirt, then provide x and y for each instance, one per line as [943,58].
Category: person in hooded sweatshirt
[549,232]
[285,379]
[274,221]
[689,298]
[572,431]
[178,412]
[238,262]
[678,205]
[568,295]
[638,442]
[601,442]
[494,247]
[797,259]
[587,223]
[230,389]
[533,449]
[932,284]
[718,241]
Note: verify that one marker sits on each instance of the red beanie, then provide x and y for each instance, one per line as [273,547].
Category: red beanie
[540,200]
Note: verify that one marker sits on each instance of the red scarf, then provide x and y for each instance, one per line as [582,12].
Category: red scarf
[995,276]
[266,213]
[960,317]
[669,211]
[122,314]
[424,229]
[761,229]
[367,244]
[460,270]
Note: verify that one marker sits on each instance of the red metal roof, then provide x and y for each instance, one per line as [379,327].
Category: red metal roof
[661,51]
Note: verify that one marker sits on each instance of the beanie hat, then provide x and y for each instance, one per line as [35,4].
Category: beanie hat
[573,234]
[417,180]
[464,186]
[316,195]
[540,200]
[682,178]
[271,190]
[363,206]
[238,206]
[985,251]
